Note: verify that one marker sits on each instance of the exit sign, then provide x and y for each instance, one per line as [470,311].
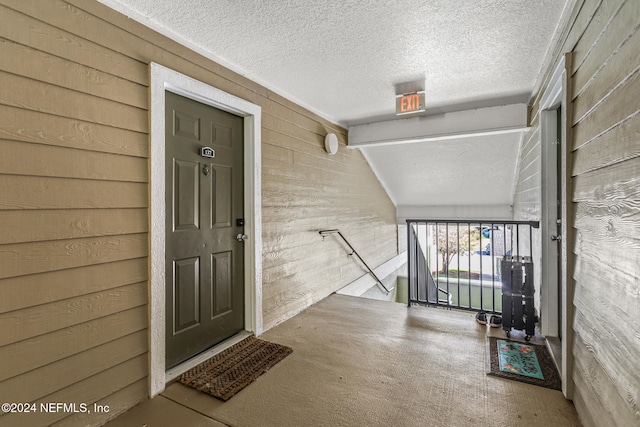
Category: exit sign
[411,103]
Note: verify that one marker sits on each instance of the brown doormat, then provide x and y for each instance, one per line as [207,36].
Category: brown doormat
[233,369]
[551,378]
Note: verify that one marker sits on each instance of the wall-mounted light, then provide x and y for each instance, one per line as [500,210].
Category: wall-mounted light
[331,143]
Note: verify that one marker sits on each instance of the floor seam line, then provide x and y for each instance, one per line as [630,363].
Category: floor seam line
[194,410]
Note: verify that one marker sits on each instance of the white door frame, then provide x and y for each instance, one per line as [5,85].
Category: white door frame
[556,95]
[163,79]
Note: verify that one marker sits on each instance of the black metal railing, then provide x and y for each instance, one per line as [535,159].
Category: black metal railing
[456,263]
[325,233]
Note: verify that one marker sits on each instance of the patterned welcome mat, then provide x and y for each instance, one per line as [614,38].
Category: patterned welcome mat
[525,362]
[228,372]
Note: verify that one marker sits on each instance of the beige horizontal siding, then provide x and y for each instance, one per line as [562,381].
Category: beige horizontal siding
[21,125]
[92,389]
[117,403]
[49,378]
[42,224]
[49,161]
[591,380]
[621,104]
[42,288]
[41,350]
[42,319]
[610,71]
[43,97]
[31,25]
[615,146]
[70,75]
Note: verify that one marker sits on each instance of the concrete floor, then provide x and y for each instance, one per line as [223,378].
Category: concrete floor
[362,362]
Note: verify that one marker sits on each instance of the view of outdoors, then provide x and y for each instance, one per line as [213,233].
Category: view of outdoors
[463,262]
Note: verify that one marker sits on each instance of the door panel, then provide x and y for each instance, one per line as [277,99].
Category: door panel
[222,135]
[187,305]
[186,190]
[186,125]
[205,282]
[223,274]
[221,200]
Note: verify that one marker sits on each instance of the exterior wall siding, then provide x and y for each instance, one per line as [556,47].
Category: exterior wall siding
[604,162]
[74,165]
[527,199]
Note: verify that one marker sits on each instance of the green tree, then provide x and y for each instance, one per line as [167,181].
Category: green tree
[454,239]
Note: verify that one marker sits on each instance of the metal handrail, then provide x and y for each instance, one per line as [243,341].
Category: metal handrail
[325,233]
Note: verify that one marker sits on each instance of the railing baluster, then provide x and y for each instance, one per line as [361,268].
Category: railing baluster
[481,262]
[458,263]
[493,272]
[469,271]
[424,281]
[446,258]
[437,262]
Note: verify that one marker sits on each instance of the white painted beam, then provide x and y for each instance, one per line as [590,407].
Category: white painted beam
[461,212]
[457,124]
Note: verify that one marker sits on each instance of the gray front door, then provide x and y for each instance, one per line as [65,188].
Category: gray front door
[204,206]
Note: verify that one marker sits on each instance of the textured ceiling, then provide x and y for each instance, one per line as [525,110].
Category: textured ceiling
[346,59]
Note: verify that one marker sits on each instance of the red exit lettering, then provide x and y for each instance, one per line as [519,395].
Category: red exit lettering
[410,103]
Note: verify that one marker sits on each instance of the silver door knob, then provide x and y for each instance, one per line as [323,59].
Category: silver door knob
[241,237]
[556,238]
